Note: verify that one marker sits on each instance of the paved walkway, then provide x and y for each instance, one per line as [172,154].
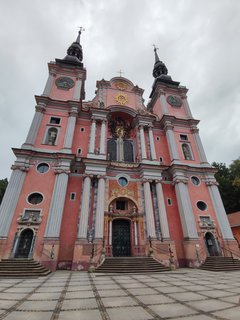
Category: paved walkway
[184,294]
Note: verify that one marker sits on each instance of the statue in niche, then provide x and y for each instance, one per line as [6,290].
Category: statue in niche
[52,136]
[186,151]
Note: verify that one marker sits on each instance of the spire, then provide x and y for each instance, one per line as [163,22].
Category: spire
[74,52]
[159,67]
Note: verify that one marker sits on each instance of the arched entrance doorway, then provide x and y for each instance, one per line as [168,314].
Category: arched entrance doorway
[211,244]
[121,240]
[24,244]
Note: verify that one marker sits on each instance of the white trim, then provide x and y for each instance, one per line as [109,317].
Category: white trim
[55,118]
[36,203]
[40,164]
[196,185]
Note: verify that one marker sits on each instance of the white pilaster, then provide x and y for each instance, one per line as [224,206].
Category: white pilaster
[201,152]
[83,223]
[171,141]
[220,211]
[77,90]
[135,233]
[10,199]
[152,145]
[110,233]
[103,138]
[70,129]
[99,226]
[92,137]
[151,231]
[37,119]
[142,141]
[163,102]
[162,212]
[49,84]
[186,107]
[185,209]
[57,205]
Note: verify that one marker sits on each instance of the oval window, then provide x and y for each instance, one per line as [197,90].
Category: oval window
[43,167]
[35,198]
[122,181]
[201,205]
[195,181]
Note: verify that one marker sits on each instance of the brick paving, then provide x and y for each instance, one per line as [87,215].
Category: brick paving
[184,294]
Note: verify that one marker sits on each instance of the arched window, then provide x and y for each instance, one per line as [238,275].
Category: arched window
[52,136]
[128,151]
[187,151]
[112,150]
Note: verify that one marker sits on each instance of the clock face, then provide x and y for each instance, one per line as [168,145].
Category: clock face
[174,101]
[64,83]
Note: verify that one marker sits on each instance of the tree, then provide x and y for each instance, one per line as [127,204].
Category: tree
[3,186]
[229,184]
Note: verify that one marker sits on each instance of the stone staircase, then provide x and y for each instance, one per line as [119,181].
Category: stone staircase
[22,268]
[131,265]
[221,264]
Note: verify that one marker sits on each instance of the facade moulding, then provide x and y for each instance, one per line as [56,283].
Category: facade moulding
[56,104]
[63,70]
[124,109]
[177,121]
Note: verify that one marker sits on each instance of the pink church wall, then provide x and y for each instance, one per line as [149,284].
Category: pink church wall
[81,139]
[61,94]
[177,112]
[161,146]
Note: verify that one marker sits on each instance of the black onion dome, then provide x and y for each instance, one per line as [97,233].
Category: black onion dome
[74,52]
[159,67]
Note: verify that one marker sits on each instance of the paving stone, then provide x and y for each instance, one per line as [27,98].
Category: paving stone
[234,290]
[229,314]
[12,296]
[216,293]
[210,305]
[19,290]
[80,315]
[79,294]
[170,289]
[155,299]
[187,296]
[112,293]
[45,296]
[6,304]
[118,301]
[89,303]
[134,285]
[172,310]
[197,317]
[79,288]
[231,299]
[19,315]
[220,286]
[38,305]
[129,313]
[107,286]
[196,288]
[142,291]
[50,289]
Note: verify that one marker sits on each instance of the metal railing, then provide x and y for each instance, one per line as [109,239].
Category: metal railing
[166,252]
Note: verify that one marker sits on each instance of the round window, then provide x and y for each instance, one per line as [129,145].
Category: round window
[201,205]
[35,198]
[122,181]
[43,167]
[195,181]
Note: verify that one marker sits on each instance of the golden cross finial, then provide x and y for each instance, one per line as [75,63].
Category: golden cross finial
[155,48]
[81,29]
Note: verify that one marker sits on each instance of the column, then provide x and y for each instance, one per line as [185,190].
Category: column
[40,108]
[103,138]
[110,233]
[163,102]
[70,128]
[162,212]
[57,205]
[135,233]
[201,152]
[10,199]
[151,231]
[152,145]
[77,89]
[186,107]
[49,84]
[83,222]
[99,226]
[92,136]
[220,211]
[142,141]
[171,141]
[185,209]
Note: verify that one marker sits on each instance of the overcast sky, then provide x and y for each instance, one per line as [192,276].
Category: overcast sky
[199,42]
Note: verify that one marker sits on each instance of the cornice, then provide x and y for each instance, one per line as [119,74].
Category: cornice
[174,121]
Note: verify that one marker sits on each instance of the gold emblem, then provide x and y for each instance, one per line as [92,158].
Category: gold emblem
[121,98]
[121,86]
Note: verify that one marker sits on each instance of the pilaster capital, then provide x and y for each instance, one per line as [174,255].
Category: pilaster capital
[159,180]
[210,183]
[183,96]
[73,112]
[93,119]
[21,167]
[61,171]
[168,126]
[40,107]
[144,180]
[52,73]
[99,176]
[87,175]
[194,129]
[162,92]
[178,180]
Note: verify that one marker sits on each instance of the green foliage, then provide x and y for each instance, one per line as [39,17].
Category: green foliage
[229,184]
[3,186]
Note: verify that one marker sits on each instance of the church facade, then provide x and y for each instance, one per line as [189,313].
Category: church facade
[111,172]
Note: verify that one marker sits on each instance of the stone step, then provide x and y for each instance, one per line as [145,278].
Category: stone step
[22,268]
[221,264]
[131,265]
